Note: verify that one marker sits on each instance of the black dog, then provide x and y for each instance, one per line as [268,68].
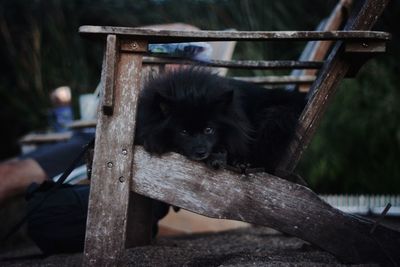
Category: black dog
[216,120]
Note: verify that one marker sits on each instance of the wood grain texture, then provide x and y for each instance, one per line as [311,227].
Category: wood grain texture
[110,61]
[262,199]
[365,47]
[139,225]
[304,79]
[112,168]
[323,89]
[161,36]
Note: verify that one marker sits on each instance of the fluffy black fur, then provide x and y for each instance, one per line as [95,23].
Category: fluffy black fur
[204,116]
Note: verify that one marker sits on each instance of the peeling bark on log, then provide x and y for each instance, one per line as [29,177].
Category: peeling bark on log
[263,199]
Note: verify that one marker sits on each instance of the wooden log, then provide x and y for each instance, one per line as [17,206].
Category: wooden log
[323,89]
[263,199]
[167,36]
[238,64]
[112,167]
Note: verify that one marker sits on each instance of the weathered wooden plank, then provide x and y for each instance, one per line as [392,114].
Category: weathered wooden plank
[323,89]
[35,139]
[359,53]
[112,168]
[365,47]
[304,79]
[161,36]
[133,46]
[79,124]
[110,61]
[139,225]
[238,64]
[262,199]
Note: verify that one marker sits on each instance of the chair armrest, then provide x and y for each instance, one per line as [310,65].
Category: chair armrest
[167,36]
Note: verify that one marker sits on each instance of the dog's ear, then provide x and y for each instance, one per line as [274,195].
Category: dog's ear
[225,99]
[163,103]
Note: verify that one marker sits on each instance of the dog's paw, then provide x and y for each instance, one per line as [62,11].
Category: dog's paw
[217,160]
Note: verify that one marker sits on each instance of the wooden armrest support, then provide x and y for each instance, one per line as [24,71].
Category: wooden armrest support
[262,199]
[167,36]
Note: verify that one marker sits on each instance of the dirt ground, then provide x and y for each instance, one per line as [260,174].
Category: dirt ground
[254,246]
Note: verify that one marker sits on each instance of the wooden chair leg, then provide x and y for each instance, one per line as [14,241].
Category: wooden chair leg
[113,157]
[140,220]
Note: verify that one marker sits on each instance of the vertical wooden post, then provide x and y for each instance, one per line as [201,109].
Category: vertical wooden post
[140,208]
[324,88]
[113,156]
[140,220]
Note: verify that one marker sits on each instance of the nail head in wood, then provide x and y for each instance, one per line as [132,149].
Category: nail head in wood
[133,46]
[365,47]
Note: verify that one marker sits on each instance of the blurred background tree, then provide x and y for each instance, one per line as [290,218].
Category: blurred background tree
[355,151]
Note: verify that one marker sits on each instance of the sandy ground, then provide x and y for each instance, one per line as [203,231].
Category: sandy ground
[254,246]
[250,246]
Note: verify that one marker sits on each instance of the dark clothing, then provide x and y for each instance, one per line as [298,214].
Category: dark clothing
[58,224]
[54,158]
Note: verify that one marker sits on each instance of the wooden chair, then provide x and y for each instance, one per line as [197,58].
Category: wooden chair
[302,79]
[125,177]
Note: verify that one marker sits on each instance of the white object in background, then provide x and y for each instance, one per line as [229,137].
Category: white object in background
[77,175]
[88,106]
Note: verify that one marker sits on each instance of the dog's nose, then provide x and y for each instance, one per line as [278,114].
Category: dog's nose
[200,152]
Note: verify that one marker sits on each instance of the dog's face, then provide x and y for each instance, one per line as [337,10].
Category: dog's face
[196,143]
[193,125]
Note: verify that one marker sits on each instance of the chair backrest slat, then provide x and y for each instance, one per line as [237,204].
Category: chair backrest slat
[335,68]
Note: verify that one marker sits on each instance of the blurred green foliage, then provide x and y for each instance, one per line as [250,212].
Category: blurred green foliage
[355,150]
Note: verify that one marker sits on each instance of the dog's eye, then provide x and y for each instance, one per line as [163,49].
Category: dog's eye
[208,130]
[184,132]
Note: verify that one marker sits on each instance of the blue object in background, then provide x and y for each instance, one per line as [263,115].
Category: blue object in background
[195,50]
[60,117]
